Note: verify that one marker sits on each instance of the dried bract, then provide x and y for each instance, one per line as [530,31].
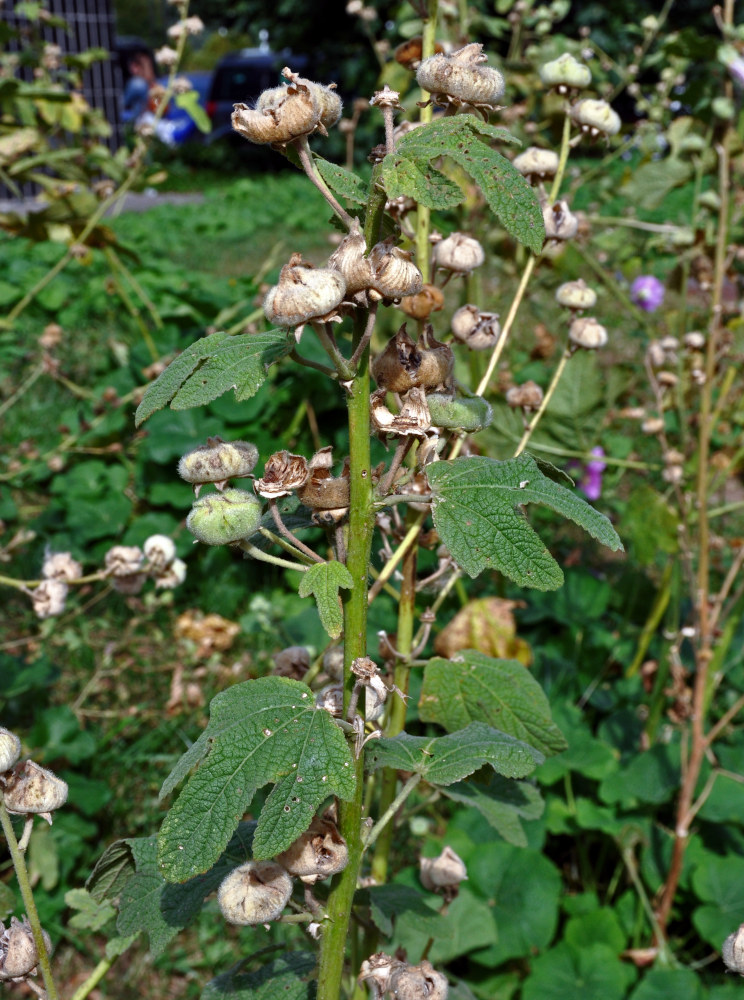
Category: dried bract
[254,893]
[413,419]
[283,473]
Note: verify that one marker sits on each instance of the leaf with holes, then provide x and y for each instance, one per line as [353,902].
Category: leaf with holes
[211,366]
[442,760]
[288,977]
[477,509]
[464,139]
[473,687]
[324,580]
[260,732]
[344,182]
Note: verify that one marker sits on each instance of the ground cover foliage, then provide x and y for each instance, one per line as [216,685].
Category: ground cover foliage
[552,710]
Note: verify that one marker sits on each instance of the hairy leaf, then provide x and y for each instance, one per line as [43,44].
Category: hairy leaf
[464,139]
[324,580]
[112,871]
[344,182]
[503,802]
[477,512]
[388,902]
[286,977]
[443,760]
[91,915]
[211,366]
[473,687]
[261,731]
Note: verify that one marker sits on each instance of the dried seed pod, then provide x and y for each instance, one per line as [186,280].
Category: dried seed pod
[655,354]
[48,599]
[394,275]
[732,951]
[129,585]
[396,368]
[323,492]
[418,982]
[420,306]
[375,689]
[377,969]
[459,253]
[413,419]
[303,293]
[695,340]
[596,117]
[476,329]
[32,789]
[124,560]
[587,333]
[466,413]
[461,79]
[10,749]
[254,893]
[217,461]
[350,259]
[654,425]
[537,163]
[292,662]
[437,362]
[528,396]
[565,74]
[172,576]
[281,114]
[319,852]
[331,699]
[673,474]
[18,954]
[669,344]
[61,566]
[560,222]
[576,295]
[409,53]
[283,473]
[160,551]
[221,518]
[444,872]
[668,379]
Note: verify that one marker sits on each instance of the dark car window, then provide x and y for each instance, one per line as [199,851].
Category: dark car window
[239,83]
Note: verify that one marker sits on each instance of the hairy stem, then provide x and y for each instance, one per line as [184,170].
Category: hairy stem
[546,400]
[306,159]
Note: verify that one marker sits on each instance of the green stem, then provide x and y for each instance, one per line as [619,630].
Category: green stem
[24,884]
[138,289]
[131,307]
[562,158]
[22,389]
[93,979]
[268,558]
[361,526]
[544,405]
[384,821]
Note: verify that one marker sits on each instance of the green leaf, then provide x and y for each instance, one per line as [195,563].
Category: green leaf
[211,366]
[564,972]
[285,977]
[116,946]
[324,580]
[503,802]
[473,687]
[91,915]
[661,984]
[189,102]
[719,883]
[7,901]
[465,139]
[112,872]
[344,182]
[468,924]
[261,731]
[477,505]
[388,902]
[442,760]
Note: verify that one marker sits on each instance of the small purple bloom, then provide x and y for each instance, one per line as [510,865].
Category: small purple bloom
[592,483]
[647,292]
[736,69]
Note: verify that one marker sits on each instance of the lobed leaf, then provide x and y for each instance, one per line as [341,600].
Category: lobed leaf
[404,176]
[286,977]
[442,760]
[324,580]
[473,687]
[388,902]
[477,511]
[344,182]
[211,366]
[503,802]
[261,731]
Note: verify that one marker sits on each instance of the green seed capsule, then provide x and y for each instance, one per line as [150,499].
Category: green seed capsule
[460,413]
[221,518]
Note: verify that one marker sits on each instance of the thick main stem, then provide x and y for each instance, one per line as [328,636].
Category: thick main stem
[361,525]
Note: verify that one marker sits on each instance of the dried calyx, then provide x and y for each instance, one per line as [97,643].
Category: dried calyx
[528,396]
[303,293]
[18,953]
[254,893]
[221,518]
[413,418]
[420,306]
[375,689]
[289,112]
[48,599]
[444,872]
[403,365]
[218,461]
[732,951]
[321,851]
[461,79]
[476,329]
[326,495]
[560,222]
[418,982]
[61,566]
[292,662]
[394,275]
[29,789]
[351,261]
[283,474]
[587,333]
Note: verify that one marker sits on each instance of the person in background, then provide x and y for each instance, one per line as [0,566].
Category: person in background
[137,89]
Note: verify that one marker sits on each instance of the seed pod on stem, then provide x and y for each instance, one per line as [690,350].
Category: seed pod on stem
[565,74]
[461,79]
[576,295]
[419,982]
[319,852]
[221,518]
[303,293]
[476,329]
[458,253]
[18,953]
[254,893]
[218,461]
[29,789]
[10,749]
[537,164]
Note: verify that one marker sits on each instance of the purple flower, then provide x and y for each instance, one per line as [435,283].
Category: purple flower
[647,292]
[591,484]
[736,69]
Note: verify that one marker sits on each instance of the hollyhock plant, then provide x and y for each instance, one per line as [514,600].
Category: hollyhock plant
[647,292]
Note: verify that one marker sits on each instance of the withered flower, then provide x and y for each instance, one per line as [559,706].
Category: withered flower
[283,473]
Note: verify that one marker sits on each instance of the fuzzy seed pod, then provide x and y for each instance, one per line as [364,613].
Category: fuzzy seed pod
[476,329]
[61,566]
[396,368]
[668,379]
[560,222]
[218,461]
[655,353]
[596,117]
[673,474]
[18,954]
[292,662]
[303,293]
[565,73]
[172,576]
[394,275]
[576,295]
[320,851]
[281,114]
[32,789]
[324,492]
[461,79]
[444,872]
[254,893]
[160,551]
[419,982]
[10,749]
[331,699]
[528,396]
[350,260]
[48,599]
[420,306]
[654,425]
[221,518]
[732,951]
[587,333]
[459,253]
[695,340]
[465,413]
[536,162]
[124,560]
